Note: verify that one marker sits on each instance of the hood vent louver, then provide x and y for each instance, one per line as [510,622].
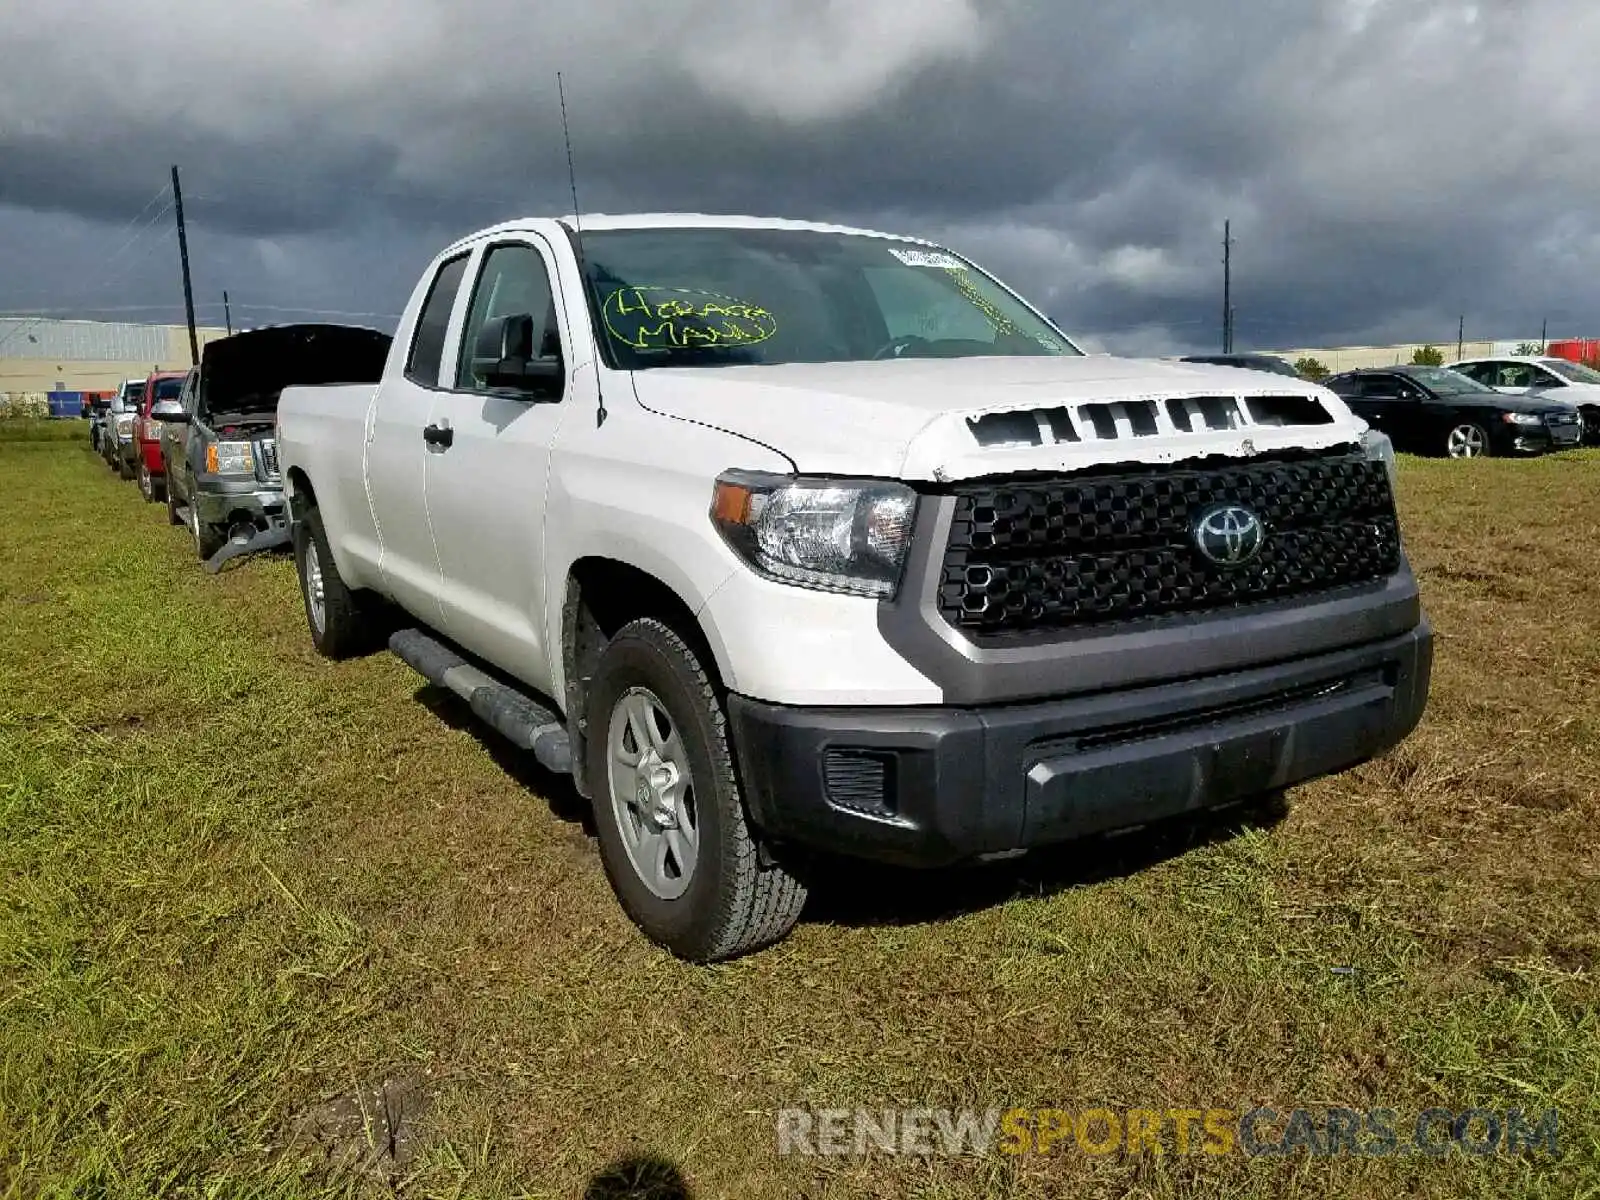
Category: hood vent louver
[1114,420]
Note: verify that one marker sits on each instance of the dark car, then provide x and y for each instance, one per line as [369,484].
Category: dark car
[1250,362]
[1433,410]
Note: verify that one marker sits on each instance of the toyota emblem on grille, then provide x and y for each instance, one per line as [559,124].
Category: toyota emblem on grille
[1229,535]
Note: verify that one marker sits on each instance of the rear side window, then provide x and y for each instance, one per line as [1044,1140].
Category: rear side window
[427,342]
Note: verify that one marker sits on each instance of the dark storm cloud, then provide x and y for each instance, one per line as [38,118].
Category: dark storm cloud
[1387,164]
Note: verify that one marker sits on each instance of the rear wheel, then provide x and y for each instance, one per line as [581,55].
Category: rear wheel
[1467,441]
[674,841]
[341,624]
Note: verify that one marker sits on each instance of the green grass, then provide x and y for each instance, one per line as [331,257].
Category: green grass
[35,429]
[240,884]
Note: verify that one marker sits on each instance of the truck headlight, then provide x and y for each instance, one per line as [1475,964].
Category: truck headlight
[1380,449]
[230,458]
[846,536]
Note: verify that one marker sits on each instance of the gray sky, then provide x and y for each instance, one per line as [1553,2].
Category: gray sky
[1387,164]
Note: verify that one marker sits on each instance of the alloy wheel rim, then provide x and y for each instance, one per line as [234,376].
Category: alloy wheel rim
[1466,441]
[652,793]
[316,601]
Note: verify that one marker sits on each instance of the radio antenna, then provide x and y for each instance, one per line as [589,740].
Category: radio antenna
[577,222]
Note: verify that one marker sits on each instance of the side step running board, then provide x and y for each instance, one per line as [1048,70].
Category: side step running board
[518,719]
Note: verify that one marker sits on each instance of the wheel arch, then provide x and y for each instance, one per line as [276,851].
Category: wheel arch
[298,492]
[601,595]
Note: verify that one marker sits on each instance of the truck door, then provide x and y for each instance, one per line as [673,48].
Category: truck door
[398,449]
[486,481]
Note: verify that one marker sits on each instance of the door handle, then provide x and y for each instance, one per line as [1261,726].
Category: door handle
[435,435]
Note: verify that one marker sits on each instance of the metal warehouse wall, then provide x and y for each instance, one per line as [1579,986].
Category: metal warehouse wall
[38,355]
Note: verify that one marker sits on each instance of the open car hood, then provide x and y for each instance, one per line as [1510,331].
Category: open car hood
[242,376]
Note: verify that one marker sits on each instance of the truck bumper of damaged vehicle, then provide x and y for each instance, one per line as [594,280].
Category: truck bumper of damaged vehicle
[932,786]
[228,504]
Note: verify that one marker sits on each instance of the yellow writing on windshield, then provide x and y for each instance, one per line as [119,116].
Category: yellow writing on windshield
[968,289]
[662,318]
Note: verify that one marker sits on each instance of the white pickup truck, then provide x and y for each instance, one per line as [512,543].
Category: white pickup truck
[789,538]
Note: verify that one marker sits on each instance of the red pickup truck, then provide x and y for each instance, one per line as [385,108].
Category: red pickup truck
[162,386]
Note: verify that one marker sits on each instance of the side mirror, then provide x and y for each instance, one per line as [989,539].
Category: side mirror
[170,411]
[504,358]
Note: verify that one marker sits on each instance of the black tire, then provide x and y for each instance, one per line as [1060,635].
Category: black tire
[733,904]
[125,469]
[1590,416]
[207,539]
[348,626]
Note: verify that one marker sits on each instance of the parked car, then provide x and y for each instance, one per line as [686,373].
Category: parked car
[222,466]
[98,407]
[117,432]
[1435,410]
[163,388]
[1549,378]
[1251,362]
[783,536]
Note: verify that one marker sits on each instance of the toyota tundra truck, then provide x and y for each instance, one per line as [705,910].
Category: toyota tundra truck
[791,541]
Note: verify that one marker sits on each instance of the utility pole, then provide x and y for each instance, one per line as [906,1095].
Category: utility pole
[183,256]
[227,313]
[1544,329]
[1461,333]
[1227,287]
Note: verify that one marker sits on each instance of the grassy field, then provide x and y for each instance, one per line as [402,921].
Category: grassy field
[247,895]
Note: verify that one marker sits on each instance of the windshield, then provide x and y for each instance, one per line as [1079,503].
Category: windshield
[1576,372]
[711,297]
[168,389]
[1444,382]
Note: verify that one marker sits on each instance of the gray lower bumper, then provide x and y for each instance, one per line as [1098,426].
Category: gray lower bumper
[930,786]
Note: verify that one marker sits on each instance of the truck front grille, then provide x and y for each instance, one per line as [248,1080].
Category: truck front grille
[1094,550]
[268,453]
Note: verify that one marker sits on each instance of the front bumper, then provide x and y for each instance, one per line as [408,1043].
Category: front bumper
[931,786]
[229,504]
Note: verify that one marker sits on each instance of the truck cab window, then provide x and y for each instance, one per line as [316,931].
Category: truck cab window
[513,282]
[427,343]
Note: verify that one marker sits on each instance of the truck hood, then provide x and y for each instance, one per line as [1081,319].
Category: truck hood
[945,419]
[241,376]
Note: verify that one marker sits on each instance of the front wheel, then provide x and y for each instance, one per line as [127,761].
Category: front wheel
[207,540]
[674,841]
[1467,441]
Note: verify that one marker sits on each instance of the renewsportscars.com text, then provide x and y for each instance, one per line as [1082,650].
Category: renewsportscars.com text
[1255,1132]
